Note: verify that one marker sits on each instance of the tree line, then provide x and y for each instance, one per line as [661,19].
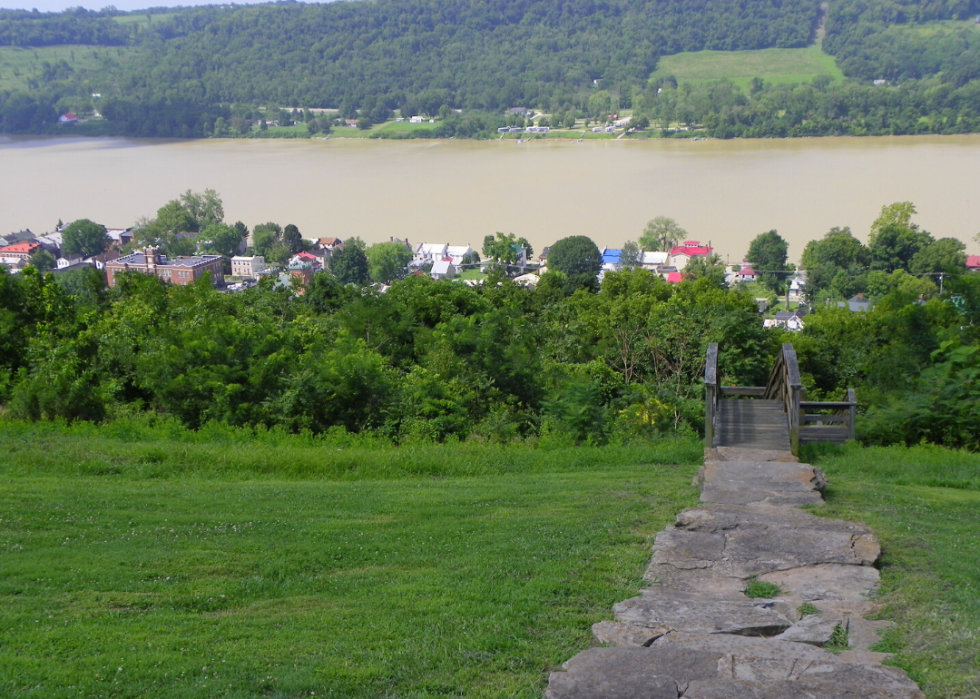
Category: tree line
[570,361]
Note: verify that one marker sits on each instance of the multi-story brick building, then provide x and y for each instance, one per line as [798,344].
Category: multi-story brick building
[179,270]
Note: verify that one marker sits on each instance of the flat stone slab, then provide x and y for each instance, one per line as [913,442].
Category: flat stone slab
[771,483]
[814,629]
[629,673]
[689,612]
[740,542]
[827,582]
[722,666]
[707,582]
[762,660]
[617,633]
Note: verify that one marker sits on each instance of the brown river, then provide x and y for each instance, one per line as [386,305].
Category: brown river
[725,192]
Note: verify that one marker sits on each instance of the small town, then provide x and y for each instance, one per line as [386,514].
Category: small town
[440,261]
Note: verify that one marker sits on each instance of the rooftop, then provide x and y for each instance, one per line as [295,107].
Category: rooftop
[138,258]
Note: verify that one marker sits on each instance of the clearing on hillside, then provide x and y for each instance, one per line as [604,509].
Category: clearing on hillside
[772,65]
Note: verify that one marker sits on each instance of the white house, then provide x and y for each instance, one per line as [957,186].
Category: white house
[457,252]
[428,252]
[443,269]
[416,120]
[538,129]
[653,260]
[247,267]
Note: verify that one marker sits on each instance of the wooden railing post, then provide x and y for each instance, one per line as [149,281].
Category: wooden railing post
[710,394]
[793,388]
[852,414]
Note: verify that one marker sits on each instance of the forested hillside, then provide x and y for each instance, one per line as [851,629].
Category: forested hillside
[176,73]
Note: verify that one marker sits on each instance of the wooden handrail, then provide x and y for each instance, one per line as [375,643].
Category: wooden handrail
[784,385]
[711,394]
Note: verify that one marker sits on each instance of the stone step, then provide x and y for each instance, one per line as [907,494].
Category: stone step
[720,666]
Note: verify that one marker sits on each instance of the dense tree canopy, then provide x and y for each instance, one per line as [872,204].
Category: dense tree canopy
[575,255]
[84,238]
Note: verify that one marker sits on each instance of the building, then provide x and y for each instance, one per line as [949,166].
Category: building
[682,254]
[675,277]
[443,269]
[653,260]
[180,270]
[538,129]
[24,236]
[610,259]
[973,263]
[456,253]
[856,304]
[247,267]
[746,274]
[120,236]
[428,252]
[18,252]
[330,244]
[302,271]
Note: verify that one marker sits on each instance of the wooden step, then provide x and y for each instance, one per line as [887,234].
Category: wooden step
[757,424]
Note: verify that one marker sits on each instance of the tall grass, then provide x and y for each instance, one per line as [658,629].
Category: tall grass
[164,449]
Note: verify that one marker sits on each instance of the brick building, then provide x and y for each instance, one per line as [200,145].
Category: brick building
[180,270]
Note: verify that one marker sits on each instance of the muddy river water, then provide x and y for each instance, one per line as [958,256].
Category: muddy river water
[725,192]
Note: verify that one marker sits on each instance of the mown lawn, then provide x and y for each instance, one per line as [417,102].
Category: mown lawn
[772,65]
[924,505]
[200,583]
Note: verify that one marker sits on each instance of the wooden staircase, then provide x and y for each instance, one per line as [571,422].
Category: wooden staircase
[752,424]
[776,416]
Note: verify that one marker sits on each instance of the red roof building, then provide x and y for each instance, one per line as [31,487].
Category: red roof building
[691,248]
[682,254]
[675,277]
[973,263]
[18,251]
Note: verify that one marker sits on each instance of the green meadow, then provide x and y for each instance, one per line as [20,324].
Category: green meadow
[772,65]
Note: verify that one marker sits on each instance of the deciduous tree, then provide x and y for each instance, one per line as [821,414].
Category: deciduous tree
[84,238]
[575,255]
[350,263]
[661,234]
[387,261]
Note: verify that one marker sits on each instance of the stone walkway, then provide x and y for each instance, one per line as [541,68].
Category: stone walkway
[695,634]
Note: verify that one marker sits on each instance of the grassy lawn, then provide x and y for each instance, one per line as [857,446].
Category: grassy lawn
[924,505]
[180,580]
[474,274]
[772,65]
[19,65]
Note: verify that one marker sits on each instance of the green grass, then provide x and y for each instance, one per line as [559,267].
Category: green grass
[474,274]
[784,66]
[183,586]
[923,503]
[167,451]
[807,609]
[294,131]
[20,65]
[757,589]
